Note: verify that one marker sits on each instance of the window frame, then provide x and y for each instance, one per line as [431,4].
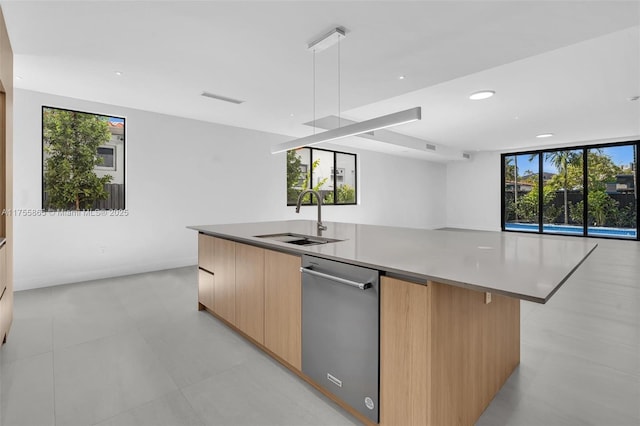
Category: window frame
[585,188]
[115,160]
[100,168]
[333,177]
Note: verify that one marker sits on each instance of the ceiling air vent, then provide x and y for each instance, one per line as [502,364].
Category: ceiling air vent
[221,98]
[466,156]
[430,147]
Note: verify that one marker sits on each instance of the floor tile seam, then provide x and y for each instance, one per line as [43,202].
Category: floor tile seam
[531,341]
[212,376]
[598,364]
[97,339]
[600,325]
[570,332]
[164,366]
[9,364]
[569,414]
[607,368]
[193,410]
[133,408]
[570,321]
[53,375]
[114,333]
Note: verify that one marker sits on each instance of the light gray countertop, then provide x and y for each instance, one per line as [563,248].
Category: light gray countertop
[526,266]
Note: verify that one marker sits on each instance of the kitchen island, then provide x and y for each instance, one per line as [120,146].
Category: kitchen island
[449,303]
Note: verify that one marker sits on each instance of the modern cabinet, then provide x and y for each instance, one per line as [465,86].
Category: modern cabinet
[249,296]
[6,180]
[256,290]
[6,297]
[283,307]
[444,351]
[205,252]
[224,270]
[205,289]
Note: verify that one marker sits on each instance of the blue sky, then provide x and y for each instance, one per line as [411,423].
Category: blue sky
[621,155]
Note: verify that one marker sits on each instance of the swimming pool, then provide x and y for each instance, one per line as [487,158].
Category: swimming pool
[574,230]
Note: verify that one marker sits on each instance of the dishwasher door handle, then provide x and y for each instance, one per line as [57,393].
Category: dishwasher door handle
[361,286]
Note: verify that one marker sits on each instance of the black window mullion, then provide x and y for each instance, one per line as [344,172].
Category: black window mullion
[635,189]
[310,184]
[540,192]
[503,205]
[585,192]
[335,178]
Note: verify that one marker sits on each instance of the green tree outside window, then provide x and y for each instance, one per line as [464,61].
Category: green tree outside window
[70,143]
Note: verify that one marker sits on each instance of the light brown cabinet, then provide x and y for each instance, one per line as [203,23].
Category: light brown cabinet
[205,252]
[444,352]
[224,270]
[249,295]
[205,289]
[217,276]
[256,290]
[6,297]
[283,307]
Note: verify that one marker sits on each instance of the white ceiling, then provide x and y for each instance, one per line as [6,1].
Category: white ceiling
[562,67]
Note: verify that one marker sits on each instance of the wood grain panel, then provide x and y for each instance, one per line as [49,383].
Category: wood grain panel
[250,291]
[283,307]
[205,252]
[6,166]
[205,289]
[405,349]
[475,347]
[224,269]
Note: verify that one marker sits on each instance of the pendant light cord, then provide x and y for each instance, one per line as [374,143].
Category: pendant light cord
[339,116]
[314,92]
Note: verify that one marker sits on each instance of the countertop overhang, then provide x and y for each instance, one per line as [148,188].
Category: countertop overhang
[525,266]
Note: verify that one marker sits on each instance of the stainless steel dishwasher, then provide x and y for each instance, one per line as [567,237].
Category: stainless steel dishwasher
[340,331]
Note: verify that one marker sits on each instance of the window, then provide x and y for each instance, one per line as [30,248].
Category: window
[586,191]
[82,160]
[332,174]
[107,155]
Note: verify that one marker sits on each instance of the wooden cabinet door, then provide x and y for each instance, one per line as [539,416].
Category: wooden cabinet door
[6,297]
[250,291]
[205,289]
[283,307]
[205,252]
[405,352]
[224,288]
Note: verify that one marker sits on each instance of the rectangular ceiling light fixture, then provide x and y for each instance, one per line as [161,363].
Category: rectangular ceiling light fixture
[327,40]
[354,129]
[221,98]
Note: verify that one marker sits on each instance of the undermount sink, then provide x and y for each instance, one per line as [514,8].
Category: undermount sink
[298,239]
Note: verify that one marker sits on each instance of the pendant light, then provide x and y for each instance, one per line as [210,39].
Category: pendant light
[332,37]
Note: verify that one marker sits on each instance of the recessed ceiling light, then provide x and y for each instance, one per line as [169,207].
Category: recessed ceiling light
[402,77]
[544,135]
[119,73]
[19,77]
[291,115]
[483,94]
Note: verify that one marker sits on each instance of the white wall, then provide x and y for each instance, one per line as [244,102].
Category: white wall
[473,192]
[183,172]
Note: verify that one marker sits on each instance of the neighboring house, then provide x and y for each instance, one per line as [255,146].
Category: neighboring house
[522,186]
[625,183]
[545,176]
[112,154]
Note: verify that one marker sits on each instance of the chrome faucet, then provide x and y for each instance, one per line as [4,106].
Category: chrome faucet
[321,227]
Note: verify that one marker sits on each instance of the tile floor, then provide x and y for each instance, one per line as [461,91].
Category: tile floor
[135,351]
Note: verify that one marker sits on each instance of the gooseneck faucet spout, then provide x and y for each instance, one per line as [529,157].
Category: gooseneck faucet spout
[321,227]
